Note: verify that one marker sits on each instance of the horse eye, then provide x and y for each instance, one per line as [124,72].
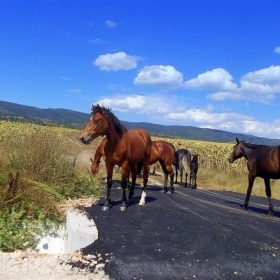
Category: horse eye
[95,121]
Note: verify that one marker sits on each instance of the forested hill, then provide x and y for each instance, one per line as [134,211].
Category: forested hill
[74,119]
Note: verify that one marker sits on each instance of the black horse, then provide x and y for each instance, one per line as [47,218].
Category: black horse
[194,169]
[262,161]
[182,161]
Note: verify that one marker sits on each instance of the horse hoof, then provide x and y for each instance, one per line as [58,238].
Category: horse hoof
[123,208]
[141,203]
[105,208]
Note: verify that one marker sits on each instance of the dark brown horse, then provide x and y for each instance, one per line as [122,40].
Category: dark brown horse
[182,161]
[194,169]
[262,161]
[123,148]
[163,152]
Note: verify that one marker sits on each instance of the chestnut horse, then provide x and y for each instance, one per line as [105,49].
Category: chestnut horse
[124,148]
[262,161]
[163,152]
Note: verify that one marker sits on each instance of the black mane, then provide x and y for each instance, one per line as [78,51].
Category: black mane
[119,127]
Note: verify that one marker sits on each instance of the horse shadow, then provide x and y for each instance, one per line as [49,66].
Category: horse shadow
[254,209]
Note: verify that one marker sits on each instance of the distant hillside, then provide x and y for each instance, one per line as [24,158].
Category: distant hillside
[74,119]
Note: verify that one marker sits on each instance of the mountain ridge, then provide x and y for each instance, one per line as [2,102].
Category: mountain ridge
[74,119]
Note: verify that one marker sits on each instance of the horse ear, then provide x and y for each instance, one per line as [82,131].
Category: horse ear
[237,141]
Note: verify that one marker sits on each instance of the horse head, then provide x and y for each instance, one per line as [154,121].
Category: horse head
[94,167]
[237,152]
[97,124]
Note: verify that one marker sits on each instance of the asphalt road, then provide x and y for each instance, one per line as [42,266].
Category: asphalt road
[191,234]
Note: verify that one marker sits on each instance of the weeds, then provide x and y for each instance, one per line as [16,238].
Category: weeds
[36,175]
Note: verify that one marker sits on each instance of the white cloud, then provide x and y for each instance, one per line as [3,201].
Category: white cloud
[164,108]
[224,95]
[110,23]
[277,50]
[74,90]
[153,104]
[96,41]
[260,85]
[216,79]
[165,77]
[116,61]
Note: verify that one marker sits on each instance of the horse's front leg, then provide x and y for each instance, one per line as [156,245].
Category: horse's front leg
[145,181]
[107,203]
[268,194]
[251,180]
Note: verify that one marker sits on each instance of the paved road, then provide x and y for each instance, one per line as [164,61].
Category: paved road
[191,234]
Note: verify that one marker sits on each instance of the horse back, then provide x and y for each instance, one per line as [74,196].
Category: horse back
[139,145]
[265,162]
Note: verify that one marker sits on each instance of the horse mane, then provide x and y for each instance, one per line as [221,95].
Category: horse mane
[119,127]
[250,145]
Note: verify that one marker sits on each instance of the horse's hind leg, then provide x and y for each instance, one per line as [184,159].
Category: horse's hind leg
[268,194]
[251,180]
[124,186]
[145,181]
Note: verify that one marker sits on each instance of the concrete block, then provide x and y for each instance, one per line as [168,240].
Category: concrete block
[81,231]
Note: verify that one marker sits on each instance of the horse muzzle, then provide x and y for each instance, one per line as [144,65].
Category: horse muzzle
[85,140]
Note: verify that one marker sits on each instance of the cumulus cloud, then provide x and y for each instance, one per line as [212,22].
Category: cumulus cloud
[165,77]
[216,79]
[260,85]
[116,61]
[110,23]
[277,50]
[141,104]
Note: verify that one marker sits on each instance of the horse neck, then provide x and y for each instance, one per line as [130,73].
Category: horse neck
[113,137]
[247,150]
[98,154]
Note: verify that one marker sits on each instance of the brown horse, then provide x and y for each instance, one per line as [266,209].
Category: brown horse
[194,169]
[124,148]
[163,152]
[262,161]
[99,153]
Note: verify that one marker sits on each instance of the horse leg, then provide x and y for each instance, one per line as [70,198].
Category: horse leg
[268,194]
[169,171]
[195,186]
[186,182]
[181,176]
[165,176]
[124,186]
[132,187]
[107,203]
[251,180]
[176,175]
[145,181]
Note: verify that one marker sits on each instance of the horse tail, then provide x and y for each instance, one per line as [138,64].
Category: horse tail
[186,161]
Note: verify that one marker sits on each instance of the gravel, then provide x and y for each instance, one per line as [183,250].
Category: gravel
[33,265]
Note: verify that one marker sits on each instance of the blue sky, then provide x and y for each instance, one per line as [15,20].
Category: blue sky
[204,63]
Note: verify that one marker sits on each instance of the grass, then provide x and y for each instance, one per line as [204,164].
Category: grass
[38,173]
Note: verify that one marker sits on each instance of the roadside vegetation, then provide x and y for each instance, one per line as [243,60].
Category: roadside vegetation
[40,175]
